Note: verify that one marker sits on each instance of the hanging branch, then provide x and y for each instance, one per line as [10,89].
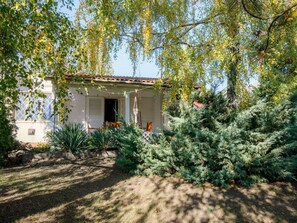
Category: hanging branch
[250,13]
[274,21]
[263,18]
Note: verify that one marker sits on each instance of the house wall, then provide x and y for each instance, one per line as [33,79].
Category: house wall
[150,108]
[77,106]
[40,128]
[149,104]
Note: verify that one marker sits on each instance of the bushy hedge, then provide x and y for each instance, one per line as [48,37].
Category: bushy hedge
[132,147]
[6,135]
[213,144]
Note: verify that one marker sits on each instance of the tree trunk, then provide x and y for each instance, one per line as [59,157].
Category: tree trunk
[232,79]
[233,73]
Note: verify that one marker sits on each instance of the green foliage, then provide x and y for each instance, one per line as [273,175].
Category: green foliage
[158,158]
[215,145]
[213,40]
[70,137]
[102,139]
[131,146]
[6,135]
[280,79]
[37,40]
[42,147]
[173,109]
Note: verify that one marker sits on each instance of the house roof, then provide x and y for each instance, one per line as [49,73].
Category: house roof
[146,81]
[114,79]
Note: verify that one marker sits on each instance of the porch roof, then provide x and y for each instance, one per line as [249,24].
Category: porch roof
[146,81]
[115,79]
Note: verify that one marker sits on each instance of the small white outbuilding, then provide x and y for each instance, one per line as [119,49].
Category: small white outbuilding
[97,101]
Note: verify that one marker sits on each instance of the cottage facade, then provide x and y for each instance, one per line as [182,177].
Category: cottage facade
[107,99]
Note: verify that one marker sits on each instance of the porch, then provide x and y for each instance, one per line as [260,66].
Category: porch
[95,109]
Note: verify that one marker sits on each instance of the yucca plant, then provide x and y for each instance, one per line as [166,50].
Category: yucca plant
[100,139]
[70,137]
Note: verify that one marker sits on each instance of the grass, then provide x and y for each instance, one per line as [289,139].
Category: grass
[97,191]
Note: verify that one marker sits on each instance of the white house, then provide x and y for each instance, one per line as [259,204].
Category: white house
[100,100]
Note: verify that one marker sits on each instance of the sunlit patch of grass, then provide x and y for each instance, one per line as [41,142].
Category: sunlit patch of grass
[46,179]
[96,191]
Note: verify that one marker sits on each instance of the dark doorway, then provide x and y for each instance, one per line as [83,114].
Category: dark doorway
[111,110]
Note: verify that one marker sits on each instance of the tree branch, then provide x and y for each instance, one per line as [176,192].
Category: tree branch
[131,36]
[250,13]
[202,21]
[274,21]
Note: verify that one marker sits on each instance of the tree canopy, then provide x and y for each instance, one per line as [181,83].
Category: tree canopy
[36,40]
[204,41]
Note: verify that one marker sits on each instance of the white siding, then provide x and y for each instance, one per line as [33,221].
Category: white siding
[158,119]
[149,102]
[40,127]
[77,106]
[95,112]
[147,111]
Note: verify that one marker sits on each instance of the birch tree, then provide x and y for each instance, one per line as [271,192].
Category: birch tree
[192,41]
[37,40]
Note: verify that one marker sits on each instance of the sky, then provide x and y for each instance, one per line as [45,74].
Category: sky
[122,65]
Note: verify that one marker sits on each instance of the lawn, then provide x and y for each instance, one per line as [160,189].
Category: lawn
[97,191]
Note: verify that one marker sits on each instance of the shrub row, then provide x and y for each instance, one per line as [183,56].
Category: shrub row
[73,137]
[213,144]
[6,134]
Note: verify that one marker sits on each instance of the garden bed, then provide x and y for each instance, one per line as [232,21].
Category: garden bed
[30,155]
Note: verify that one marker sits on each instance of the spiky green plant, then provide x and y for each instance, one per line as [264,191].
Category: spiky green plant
[70,137]
[100,139]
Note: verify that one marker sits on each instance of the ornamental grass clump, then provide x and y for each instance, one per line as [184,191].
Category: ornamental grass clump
[70,137]
[102,139]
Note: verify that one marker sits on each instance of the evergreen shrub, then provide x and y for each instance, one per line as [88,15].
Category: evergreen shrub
[214,144]
[6,135]
[131,147]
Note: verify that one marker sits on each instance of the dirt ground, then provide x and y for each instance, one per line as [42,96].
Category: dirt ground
[97,191]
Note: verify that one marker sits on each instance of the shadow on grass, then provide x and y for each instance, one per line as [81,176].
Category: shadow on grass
[262,203]
[104,193]
[13,210]
[155,199]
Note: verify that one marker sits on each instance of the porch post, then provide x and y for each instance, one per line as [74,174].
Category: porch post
[127,107]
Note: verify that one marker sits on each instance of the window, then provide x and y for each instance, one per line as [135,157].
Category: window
[34,108]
